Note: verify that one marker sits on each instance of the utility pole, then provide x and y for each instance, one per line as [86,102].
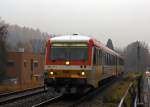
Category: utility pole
[138,56]
[140,78]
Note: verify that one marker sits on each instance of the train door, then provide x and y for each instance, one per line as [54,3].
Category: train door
[96,65]
[106,72]
[94,74]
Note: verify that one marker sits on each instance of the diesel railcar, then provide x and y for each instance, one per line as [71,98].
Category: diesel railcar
[76,62]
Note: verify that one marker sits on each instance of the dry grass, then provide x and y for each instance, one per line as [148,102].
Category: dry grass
[115,92]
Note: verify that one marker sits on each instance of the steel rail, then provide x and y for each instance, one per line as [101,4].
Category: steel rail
[13,97]
[17,92]
[123,98]
[51,100]
[92,93]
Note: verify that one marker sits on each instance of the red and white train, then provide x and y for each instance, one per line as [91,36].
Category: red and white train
[76,62]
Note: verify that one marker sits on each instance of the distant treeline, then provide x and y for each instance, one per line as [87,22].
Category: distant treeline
[32,40]
[136,56]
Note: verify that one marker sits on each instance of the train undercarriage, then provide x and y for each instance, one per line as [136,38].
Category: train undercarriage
[69,85]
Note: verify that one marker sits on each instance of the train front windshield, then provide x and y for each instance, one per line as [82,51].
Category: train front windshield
[69,52]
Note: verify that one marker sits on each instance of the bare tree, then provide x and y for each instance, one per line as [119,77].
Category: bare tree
[30,38]
[110,44]
[137,56]
[3,52]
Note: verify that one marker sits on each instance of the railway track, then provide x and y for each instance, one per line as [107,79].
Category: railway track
[13,96]
[40,98]
[49,101]
[70,101]
[97,92]
[17,92]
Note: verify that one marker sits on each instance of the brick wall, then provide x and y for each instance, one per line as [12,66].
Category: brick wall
[25,67]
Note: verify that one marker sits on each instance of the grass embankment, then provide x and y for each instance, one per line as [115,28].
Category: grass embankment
[18,87]
[114,94]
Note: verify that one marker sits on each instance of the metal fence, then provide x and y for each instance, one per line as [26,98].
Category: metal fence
[132,97]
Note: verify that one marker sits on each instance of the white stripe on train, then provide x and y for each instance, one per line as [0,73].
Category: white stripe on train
[66,67]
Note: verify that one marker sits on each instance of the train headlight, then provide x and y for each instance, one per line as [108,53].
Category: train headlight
[82,73]
[51,73]
[67,62]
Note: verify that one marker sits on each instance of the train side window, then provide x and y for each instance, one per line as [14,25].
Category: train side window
[113,60]
[106,59]
[97,56]
[100,57]
[110,59]
[94,56]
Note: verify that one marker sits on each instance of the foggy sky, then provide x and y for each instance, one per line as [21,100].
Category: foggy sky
[124,21]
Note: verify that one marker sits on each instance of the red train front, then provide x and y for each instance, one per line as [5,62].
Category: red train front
[68,61]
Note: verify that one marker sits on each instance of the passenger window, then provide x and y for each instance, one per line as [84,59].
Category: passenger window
[108,59]
[97,56]
[105,58]
[94,57]
[100,57]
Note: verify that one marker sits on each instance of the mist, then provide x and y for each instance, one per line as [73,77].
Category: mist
[124,21]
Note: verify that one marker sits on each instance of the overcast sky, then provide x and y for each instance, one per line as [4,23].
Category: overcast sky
[124,21]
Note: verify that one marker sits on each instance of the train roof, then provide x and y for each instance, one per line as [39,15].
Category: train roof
[82,38]
[70,38]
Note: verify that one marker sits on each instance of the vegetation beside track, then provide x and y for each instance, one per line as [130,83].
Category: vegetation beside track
[113,95]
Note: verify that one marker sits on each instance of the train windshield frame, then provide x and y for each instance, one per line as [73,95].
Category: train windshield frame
[69,51]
